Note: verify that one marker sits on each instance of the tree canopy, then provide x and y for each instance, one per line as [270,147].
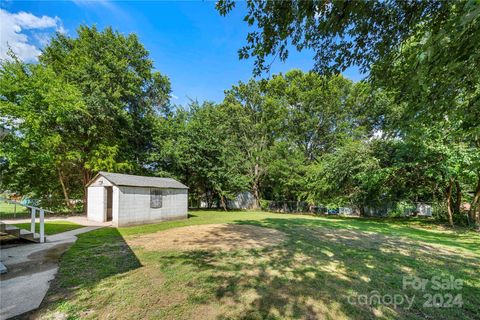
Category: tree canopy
[420,55]
[409,134]
[341,33]
[88,105]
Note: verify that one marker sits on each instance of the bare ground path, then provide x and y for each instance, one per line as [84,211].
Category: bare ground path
[209,237]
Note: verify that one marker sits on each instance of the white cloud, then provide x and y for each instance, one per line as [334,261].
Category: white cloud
[101,6]
[174,96]
[12,35]
[95,3]
[43,38]
[29,21]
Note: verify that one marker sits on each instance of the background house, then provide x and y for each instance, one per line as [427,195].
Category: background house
[127,199]
[3,131]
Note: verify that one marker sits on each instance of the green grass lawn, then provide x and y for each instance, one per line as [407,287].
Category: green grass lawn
[10,211]
[321,271]
[52,227]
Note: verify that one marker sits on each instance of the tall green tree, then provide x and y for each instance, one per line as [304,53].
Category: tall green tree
[423,54]
[255,120]
[196,147]
[434,81]
[348,176]
[118,84]
[290,120]
[42,112]
[121,94]
[320,110]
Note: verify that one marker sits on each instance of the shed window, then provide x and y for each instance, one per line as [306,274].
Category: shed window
[156,198]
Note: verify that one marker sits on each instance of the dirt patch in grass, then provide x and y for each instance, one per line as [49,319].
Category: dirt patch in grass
[209,237]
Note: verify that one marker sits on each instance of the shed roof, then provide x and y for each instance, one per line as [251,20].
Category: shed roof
[120,179]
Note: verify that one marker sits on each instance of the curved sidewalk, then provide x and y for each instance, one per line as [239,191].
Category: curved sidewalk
[31,267]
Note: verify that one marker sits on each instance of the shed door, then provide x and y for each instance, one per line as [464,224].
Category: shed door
[109,203]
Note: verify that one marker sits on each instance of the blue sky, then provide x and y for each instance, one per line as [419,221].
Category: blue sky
[188,41]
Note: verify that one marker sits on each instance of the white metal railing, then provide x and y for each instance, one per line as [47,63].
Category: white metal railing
[33,218]
[41,221]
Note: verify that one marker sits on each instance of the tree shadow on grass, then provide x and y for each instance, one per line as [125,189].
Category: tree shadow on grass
[96,255]
[456,238]
[311,275]
[319,273]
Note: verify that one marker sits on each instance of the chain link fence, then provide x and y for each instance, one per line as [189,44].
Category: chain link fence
[305,207]
[400,209]
[14,206]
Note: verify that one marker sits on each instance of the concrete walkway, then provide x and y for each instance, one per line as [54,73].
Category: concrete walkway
[31,267]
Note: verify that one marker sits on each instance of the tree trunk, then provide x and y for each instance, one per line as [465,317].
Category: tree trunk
[61,178]
[86,178]
[449,202]
[256,197]
[222,202]
[476,197]
[458,203]
[255,187]
[209,202]
[478,218]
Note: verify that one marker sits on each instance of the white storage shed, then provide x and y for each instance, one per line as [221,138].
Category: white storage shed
[128,200]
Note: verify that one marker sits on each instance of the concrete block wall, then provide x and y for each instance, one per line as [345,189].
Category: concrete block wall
[134,206]
[115,205]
